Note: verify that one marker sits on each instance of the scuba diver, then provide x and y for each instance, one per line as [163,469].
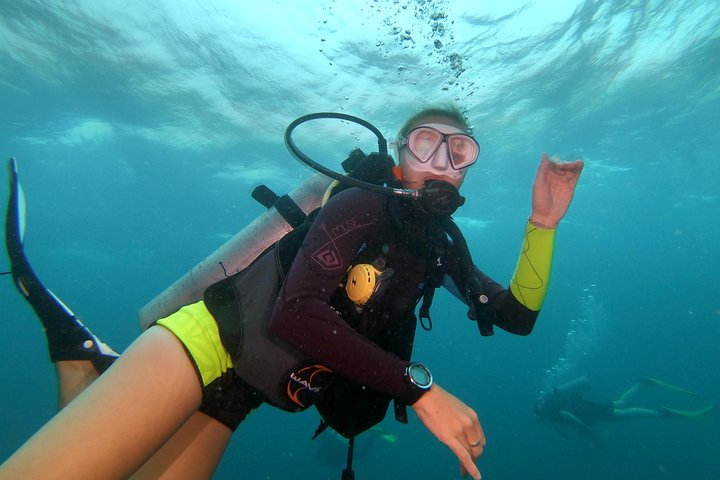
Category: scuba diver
[564,406]
[325,317]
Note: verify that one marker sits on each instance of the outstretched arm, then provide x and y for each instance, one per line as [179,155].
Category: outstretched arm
[552,191]
[582,428]
[571,419]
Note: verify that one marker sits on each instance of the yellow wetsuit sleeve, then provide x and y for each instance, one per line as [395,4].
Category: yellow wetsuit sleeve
[532,275]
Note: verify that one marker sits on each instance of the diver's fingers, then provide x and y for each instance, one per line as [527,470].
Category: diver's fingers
[476,439]
[467,462]
[464,473]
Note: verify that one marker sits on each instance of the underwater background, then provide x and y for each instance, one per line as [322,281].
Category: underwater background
[140,129]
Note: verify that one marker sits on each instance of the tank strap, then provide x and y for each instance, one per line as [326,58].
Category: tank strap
[285,205]
[424,312]
[475,294]
[437,267]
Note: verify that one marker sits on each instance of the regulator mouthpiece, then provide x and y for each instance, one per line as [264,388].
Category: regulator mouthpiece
[440,198]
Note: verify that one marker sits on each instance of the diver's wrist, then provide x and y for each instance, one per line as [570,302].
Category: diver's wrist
[544,224]
[419,380]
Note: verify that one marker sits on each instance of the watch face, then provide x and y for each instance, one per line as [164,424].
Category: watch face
[420,375]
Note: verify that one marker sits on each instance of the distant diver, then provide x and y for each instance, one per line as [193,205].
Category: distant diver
[565,407]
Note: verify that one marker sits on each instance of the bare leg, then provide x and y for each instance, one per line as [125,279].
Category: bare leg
[193,453]
[627,395]
[112,428]
[622,410]
[74,376]
[636,412]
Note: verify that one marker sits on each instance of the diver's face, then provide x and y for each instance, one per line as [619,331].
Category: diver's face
[426,155]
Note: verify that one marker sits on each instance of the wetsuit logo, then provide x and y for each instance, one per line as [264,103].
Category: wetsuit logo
[328,256]
[306,382]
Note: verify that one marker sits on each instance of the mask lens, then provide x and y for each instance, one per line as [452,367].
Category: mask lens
[423,142]
[463,150]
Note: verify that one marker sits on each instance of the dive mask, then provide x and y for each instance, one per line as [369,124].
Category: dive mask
[424,142]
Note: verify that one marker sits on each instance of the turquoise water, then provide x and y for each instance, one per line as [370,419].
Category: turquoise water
[140,131]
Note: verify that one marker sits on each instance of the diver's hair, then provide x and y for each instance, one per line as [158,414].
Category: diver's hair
[450,111]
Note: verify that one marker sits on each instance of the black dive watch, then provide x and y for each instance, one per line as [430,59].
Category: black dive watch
[419,378]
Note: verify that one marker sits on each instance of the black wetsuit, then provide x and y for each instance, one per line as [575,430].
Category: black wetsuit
[357,226]
[587,411]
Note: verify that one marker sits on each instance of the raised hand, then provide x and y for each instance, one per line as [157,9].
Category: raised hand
[553,190]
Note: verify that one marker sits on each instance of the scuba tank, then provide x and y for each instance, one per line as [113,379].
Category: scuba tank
[235,254]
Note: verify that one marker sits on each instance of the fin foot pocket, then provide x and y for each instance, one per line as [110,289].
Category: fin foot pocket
[668,386]
[689,414]
[67,337]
